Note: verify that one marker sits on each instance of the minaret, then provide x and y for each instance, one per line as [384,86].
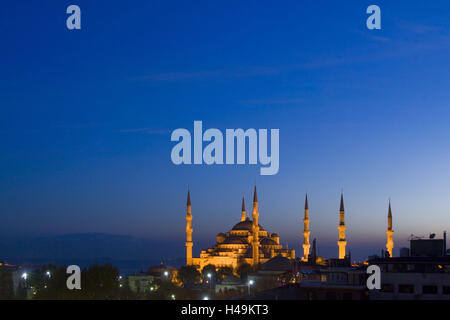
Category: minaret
[390,232]
[341,227]
[243,216]
[255,230]
[189,230]
[306,231]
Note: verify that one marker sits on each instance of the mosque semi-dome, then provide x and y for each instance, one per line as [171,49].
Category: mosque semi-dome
[220,237]
[268,242]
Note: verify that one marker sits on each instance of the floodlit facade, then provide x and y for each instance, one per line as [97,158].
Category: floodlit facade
[246,242]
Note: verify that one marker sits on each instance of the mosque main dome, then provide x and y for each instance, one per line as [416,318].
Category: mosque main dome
[245,225]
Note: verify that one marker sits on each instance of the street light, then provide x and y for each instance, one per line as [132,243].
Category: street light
[48,274]
[173,297]
[209,275]
[166,273]
[24,276]
[250,283]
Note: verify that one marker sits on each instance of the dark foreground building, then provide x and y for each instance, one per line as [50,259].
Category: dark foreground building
[421,273]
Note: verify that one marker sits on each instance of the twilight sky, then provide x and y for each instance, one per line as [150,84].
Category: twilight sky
[86,117]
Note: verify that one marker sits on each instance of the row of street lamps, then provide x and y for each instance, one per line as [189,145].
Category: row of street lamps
[209,275]
[24,275]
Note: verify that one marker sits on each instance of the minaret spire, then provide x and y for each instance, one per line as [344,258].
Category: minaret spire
[342,242]
[255,230]
[306,231]
[243,215]
[188,199]
[390,232]
[189,230]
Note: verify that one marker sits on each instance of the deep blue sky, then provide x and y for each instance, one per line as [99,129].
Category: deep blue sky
[86,116]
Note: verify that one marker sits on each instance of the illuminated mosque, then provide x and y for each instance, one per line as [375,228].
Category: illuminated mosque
[248,242]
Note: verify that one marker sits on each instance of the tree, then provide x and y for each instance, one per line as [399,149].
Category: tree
[49,282]
[101,282]
[166,291]
[188,275]
[127,294]
[243,270]
[209,269]
[97,282]
[6,284]
[223,272]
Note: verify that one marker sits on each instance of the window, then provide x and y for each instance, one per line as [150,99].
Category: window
[387,288]
[446,289]
[429,290]
[406,288]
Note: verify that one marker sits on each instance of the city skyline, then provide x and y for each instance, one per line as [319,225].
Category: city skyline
[86,118]
[172,247]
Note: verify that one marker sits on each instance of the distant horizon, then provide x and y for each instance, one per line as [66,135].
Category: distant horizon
[140,248]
